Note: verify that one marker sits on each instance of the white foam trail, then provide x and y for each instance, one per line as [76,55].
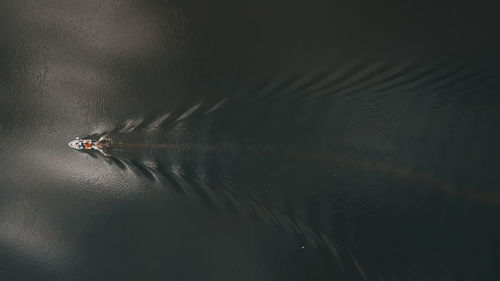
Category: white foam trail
[216,106]
[189,112]
[130,125]
[157,122]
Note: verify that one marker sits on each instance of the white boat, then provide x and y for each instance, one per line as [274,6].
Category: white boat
[88,145]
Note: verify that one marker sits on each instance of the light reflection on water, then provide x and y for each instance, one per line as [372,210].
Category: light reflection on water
[239,150]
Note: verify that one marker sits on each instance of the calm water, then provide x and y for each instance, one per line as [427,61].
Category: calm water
[253,141]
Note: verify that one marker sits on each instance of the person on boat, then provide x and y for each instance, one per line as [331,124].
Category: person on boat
[85,144]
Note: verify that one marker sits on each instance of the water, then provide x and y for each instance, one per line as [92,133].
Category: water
[253,141]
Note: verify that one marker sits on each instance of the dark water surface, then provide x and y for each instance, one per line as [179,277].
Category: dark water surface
[252,141]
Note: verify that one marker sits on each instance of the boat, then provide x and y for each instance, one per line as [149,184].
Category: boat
[88,145]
